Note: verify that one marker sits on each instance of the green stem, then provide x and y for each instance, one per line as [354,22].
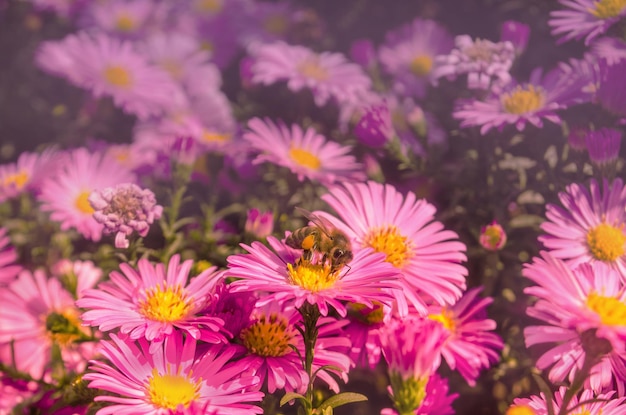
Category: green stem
[310,315]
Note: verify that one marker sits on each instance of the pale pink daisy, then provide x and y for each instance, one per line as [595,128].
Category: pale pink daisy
[586,402]
[377,216]
[111,67]
[585,18]
[328,75]
[305,152]
[172,379]
[589,226]
[409,52]
[585,312]
[27,173]
[36,313]
[471,345]
[65,194]
[153,301]
[8,255]
[280,274]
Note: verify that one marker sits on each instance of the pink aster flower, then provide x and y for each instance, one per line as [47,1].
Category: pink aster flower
[363,330]
[282,276]
[584,310]
[436,401]
[111,67]
[27,173]
[153,301]
[66,193]
[409,54]
[587,402]
[259,224]
[403,228]
[123,18]
[585,18]
[171,378]
[589,226]
[492,237]
[36,313]
[81,275]
[470,346]
[328,75]
[520,104]
[306,153]
[8,268]
[124,209]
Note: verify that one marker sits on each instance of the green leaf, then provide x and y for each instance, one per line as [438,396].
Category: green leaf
[341,399]
[290,396]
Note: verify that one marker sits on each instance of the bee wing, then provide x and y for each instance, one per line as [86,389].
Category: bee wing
[324,225]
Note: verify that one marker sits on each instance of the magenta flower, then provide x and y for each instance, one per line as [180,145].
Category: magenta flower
[259,224]
[436,402]
[492,237]
[8,268]
[603,146]
[587,402]
[409,52]
[403,228]
[66,194]
[123,209]
[517,33]
[328,75]
[610,49]
[279,273]
[585,18]
[171,378]
[612,88]
[589,226]
[306,153]
[123,18]
[152,302]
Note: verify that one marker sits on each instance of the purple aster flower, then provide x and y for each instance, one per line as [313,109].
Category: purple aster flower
[576,137]
[610,49]
[520,104]
[484,62]
[375,127]
[328,75]
[123,209]
[363,52]
[585,18]
[603,146]
[123,18]
[517,33]
[612,88]
[409,54]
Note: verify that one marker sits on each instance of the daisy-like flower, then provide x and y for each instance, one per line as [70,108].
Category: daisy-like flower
[520,104]
[403,228]
[171,379]
[328,75]
[36,313]
[280,273]
[124,209]
[153,301]
[124,18]
[585,312]
[589,226]
[610,49]
[603,146]
[66,194]
[27,173]
[409,54]
[585,18]
[612,88]
[411,348]
[111,67]
[306,153]
[470,346]
[77,276]
[587,403]
[8,268]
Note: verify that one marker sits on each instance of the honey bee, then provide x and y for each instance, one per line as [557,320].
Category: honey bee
[321,237]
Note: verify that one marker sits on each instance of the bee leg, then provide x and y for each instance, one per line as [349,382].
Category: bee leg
[307,255]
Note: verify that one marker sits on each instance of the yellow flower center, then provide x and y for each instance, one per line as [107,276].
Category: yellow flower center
[312,277]
[523,99]
[125,23]
[446,318]
[520,410]
[16,181]
[118,76]
[213,137]
[421,65]
[312,69]
[276,24]
[211,6]
[166,304]
[269,336]
[389,241]
[606,242]
[305,158]
[169,391]
[82,203]
[365,314]
[63,328]
[207,45]
[606,9]
[611,311]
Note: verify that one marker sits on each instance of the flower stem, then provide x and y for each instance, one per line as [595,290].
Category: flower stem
[310,315]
